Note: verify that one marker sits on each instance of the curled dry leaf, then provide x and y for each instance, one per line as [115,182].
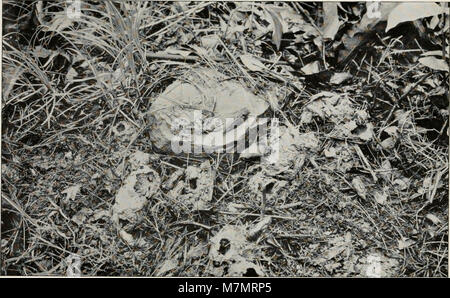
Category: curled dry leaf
[380,197]
[311,68]
[277,28]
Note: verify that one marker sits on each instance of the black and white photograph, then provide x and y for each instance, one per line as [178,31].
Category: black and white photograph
[216,139]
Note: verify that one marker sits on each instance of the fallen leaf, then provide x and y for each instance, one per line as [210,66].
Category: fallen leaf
[127,237]
[388,143]
[359,187]
[277,29]
[380,197]
[376,12]
[402,184]
[405,243]
[252,63]
[72,192]
[259,227]
[434,63]
[167,266]
[407,11]
[340,77]
[311,68]
[366,133]
[209,41]
[331,152]
[331,20]
[433,218]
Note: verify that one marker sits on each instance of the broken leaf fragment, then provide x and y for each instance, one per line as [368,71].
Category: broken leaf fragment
[231,249]
[72,192]
[331,20]
[434,63]
[359,187]
[405,12]
[405,243]
[137,188]
[252,63]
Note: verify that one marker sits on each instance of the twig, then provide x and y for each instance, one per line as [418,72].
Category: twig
[257,215]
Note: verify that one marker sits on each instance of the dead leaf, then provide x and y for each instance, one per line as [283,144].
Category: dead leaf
[331,20]
[405,12]
[72,192]
[365,133]
[380,197]
[405,243]
[376,12]
[360,187]
[311,68]
[388,143]
[433,218]
[277,29]
[340,77]
[139,186]
[252,63]
[209,41]
[127,237]
[402,184]
[434,63]
[259,227]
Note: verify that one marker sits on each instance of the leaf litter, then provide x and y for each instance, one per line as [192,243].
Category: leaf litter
[342,177]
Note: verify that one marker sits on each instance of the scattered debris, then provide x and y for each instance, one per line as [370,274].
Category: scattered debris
[71,192]
[231,252]
[137,188]
[196,190]
[377,265]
